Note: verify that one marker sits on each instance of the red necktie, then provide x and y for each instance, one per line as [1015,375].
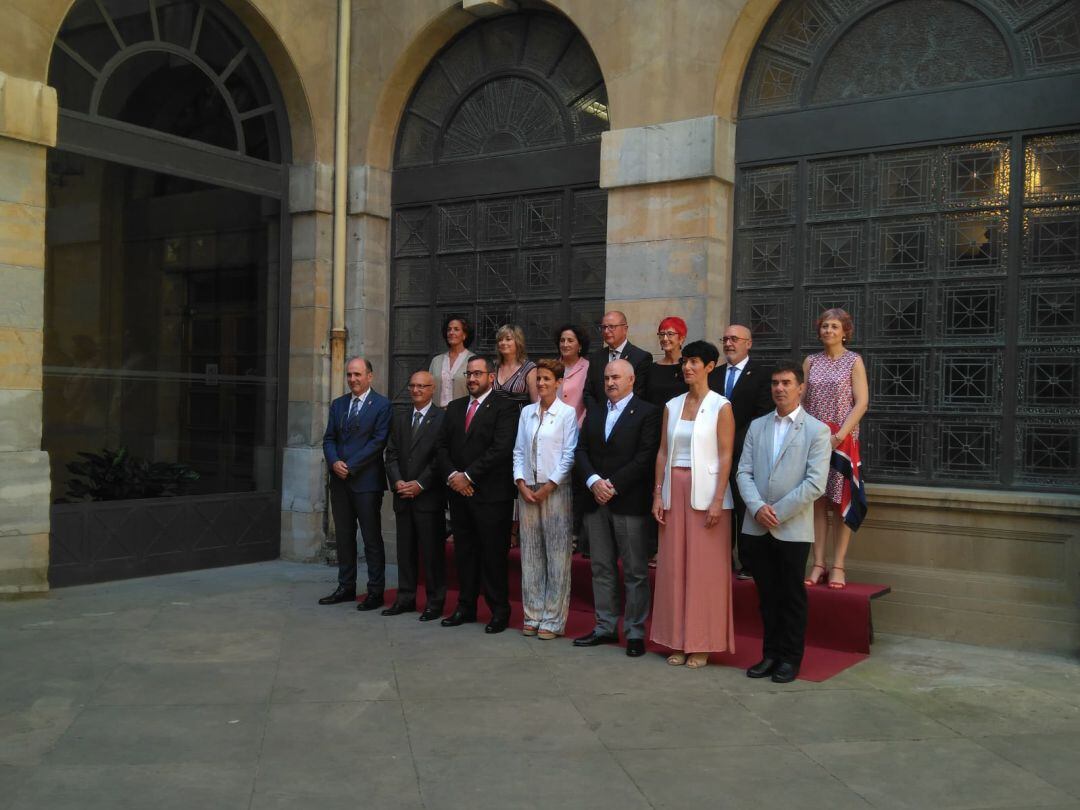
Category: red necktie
[471,412]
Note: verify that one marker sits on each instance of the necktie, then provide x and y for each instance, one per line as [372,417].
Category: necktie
[416,417]
[353,409]
[613,356]
[469,413]
[729,386]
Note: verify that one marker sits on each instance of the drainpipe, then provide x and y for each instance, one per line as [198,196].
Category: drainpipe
[338,332]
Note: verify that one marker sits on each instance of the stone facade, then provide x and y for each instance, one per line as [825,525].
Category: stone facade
[975,566]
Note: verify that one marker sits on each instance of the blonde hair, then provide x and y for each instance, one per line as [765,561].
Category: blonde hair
[514,331]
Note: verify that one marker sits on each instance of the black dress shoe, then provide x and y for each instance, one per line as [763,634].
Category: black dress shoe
[342,594]
[784,673]
[496,626]
[635,647]
[430,614]
[373,601]
[763,668]
[595,639]
[458,618]
[398,608]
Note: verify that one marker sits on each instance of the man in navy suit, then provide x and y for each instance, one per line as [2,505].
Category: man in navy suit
[353,444]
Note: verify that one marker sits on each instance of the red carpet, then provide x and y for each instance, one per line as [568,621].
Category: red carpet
[838,629]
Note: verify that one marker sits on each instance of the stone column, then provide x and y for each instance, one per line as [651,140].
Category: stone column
[303,485]
[27,127]
[670,198]
[367,284]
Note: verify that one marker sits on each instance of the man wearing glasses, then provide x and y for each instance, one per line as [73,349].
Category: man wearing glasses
[419,499]
[613,329]
[476,448]
[747,385]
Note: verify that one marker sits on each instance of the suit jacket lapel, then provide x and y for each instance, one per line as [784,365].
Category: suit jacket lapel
[746,372]
[627,410]
[770,432]
[792,432]
[425,425]
[481,412]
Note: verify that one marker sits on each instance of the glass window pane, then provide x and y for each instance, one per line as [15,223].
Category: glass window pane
[161,330]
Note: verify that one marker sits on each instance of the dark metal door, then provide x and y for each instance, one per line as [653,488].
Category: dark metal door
[922,171]
[497,213]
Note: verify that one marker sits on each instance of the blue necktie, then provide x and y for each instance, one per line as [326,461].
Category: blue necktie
[353,409]
[729,386]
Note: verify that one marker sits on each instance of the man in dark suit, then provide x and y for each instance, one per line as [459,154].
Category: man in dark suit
[476,448]
[419,499]
[353,446]
[746,384]
[613,331]
[616,457]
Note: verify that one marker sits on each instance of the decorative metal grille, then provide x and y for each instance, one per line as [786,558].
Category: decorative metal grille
[823,51]
[936,279]
[516,83]
[959,260]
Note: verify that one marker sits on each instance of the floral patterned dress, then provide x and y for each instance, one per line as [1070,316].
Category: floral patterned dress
[829,397]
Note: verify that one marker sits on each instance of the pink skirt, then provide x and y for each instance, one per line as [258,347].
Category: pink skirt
[692,601]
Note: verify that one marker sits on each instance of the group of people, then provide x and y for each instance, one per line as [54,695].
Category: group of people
[673,457]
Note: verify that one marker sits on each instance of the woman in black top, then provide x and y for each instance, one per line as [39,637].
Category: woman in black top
[665,375]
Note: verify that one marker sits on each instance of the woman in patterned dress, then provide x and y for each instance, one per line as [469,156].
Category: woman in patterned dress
[836,393]
[515,373]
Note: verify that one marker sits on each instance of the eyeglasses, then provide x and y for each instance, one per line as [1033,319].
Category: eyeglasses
[668,334]
[608,327]
[729,339]
[476,373]
[419,385]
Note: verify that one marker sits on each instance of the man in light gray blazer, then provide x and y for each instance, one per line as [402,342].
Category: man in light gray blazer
[782,471]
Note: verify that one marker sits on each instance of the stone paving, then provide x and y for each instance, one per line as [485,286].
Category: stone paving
[232,688]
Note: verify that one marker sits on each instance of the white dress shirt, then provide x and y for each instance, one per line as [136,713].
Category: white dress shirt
[555,441]
[616,351]
[781,426]
[355,405]
[614,411]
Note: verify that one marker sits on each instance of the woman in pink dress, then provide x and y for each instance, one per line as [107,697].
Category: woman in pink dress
[836,393]
[692,604]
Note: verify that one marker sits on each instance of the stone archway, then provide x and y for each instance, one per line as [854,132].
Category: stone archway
[497,214]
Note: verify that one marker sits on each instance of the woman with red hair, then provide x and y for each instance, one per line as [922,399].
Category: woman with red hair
[837,393]
[666,377]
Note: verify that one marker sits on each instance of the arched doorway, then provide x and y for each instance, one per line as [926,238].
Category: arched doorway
[497,213]
[164,283]
[918,163]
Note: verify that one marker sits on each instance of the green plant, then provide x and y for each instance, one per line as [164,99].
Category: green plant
[118,476]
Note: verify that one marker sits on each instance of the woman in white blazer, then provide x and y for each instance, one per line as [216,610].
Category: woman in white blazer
[692,612]
[543,457]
